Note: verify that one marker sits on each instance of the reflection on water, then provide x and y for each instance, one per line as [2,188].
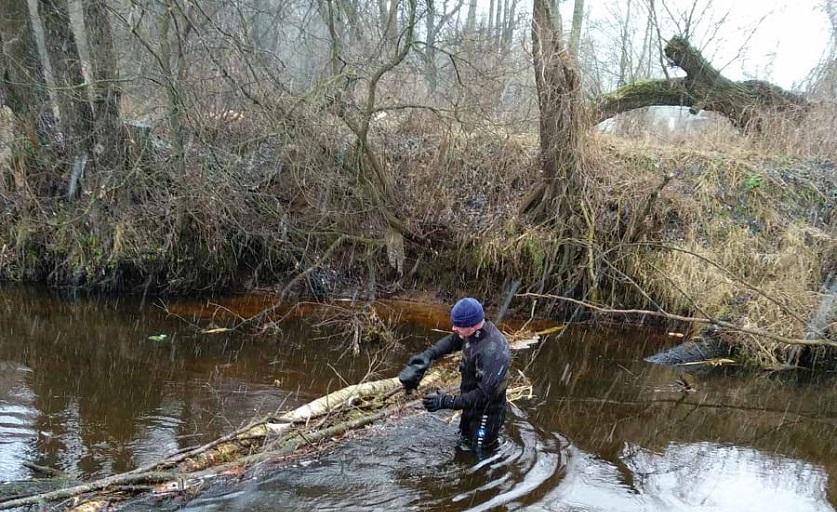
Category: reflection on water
[83,390]
[700,476]
[16,418]
[714,476]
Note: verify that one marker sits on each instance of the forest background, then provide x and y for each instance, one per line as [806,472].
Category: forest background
[381,147]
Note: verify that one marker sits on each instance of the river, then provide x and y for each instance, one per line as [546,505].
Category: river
[93,386]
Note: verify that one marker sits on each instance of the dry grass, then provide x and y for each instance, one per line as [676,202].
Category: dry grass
[738,235]
[742,231]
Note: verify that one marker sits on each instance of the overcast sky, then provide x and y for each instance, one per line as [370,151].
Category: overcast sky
[787,44]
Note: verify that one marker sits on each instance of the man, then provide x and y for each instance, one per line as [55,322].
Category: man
[485,362]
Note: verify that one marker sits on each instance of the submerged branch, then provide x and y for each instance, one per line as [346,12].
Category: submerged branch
[69,492]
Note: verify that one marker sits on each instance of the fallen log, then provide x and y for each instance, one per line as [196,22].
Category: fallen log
[271,437]
[744,103]
[104,483]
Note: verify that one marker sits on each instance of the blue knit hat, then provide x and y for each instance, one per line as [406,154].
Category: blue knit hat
[467,312]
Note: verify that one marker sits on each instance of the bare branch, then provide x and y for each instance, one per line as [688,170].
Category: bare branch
[670,316]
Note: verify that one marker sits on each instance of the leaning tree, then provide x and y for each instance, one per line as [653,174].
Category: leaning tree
[744,103]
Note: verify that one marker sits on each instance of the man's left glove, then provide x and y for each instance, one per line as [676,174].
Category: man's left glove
[438,401]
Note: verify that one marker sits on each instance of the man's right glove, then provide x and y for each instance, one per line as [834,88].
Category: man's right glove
[438,401]
[412,374]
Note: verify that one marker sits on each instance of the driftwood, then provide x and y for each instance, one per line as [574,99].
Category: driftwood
[269,438]
[704,88]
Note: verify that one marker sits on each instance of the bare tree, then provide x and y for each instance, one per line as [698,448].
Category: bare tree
[575,31]
[560,103]
[75,113]
[358,116]
[436,16]
[22,78]
[106,86]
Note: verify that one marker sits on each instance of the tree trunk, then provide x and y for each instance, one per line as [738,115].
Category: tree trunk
[625,53]
[498,24]
[490,28]
[559,100]
[575,31]
[703,88]
[471,18]
[74,109]
[106,91]
[174,30]
[431,30]
[22,91]
[22,77]
[508,30]
[558,202]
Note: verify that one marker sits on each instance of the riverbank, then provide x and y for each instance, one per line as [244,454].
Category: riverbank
[720,232]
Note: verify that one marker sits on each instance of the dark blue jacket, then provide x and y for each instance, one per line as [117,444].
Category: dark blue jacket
[485,363]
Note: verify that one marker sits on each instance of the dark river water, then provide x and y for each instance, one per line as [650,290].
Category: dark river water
[90,388]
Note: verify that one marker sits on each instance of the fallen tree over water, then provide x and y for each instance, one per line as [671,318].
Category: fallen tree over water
[269,439]
[275,439]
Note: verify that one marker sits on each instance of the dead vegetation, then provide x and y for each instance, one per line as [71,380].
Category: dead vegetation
[698,227]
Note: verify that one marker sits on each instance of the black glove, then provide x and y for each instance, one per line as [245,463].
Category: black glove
[412,374]
[438,401]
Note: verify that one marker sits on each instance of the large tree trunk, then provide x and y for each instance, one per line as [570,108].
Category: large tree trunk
[703,88]
[22,90]
[558,202]
[575,31]
[22,76]
[559,99]
[174,31]
[106,91]
[73,106]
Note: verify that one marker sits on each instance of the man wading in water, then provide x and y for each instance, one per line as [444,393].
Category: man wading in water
[485,362]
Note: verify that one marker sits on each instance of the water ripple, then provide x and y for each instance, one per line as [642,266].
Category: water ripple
[413,465]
